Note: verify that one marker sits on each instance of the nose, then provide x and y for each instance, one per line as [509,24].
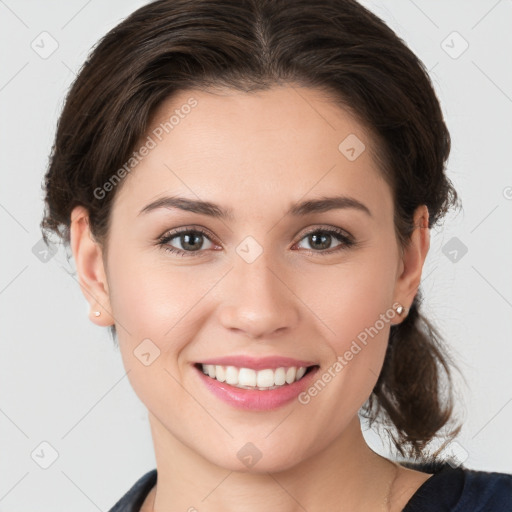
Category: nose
[258,299]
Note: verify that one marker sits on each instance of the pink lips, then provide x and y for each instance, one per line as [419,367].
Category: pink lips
[254,399]
[258,363]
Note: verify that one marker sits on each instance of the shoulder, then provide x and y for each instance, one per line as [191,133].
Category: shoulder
[486,490]
[134,498]
[460,489]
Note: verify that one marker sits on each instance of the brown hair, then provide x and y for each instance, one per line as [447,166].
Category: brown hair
[248,45]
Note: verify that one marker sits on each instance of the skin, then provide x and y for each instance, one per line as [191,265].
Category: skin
[256,153]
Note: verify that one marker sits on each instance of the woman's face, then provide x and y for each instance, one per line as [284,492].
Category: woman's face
[267,281]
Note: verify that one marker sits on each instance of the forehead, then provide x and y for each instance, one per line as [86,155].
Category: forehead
[251,150]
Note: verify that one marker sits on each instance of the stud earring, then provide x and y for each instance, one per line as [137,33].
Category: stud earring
[400,309]
[97,313]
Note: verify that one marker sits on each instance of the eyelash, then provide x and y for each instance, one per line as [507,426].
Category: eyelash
[347,241]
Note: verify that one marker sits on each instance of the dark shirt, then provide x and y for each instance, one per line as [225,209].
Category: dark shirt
[450,489]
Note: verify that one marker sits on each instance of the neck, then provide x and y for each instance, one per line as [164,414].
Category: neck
[346,475]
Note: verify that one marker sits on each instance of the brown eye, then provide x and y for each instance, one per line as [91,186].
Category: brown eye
[190,240]
[321,239]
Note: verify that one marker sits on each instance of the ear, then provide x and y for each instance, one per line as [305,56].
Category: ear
[88,257]
[412,260]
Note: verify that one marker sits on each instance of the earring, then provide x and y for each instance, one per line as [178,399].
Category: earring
[97,313]
[400,309]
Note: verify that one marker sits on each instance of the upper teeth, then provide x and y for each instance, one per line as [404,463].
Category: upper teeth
[249,379]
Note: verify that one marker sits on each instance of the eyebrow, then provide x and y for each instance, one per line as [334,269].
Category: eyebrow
[299,209]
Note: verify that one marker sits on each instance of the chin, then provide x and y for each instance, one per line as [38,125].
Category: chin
[250,459]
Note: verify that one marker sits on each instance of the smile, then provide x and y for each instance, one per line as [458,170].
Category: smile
[252,389]
[248,378]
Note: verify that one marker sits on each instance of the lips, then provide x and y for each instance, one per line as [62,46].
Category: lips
[257,399]
[256,383]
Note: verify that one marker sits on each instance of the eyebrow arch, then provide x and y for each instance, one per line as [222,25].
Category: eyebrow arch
[297,209]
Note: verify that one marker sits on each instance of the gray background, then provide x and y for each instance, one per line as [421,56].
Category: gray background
[62,381]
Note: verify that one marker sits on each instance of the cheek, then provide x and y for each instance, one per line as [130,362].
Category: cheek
[367,298]
[150,306]
[145,306]
[353,296]
[158,308]
[148,297]
[358,312]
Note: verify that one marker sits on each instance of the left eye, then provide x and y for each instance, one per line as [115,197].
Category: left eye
[323,237]
[192,244]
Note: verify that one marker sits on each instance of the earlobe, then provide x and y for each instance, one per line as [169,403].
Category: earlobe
[413,259]
[88,257]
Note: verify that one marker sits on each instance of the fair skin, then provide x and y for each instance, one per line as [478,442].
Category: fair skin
[256,154]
